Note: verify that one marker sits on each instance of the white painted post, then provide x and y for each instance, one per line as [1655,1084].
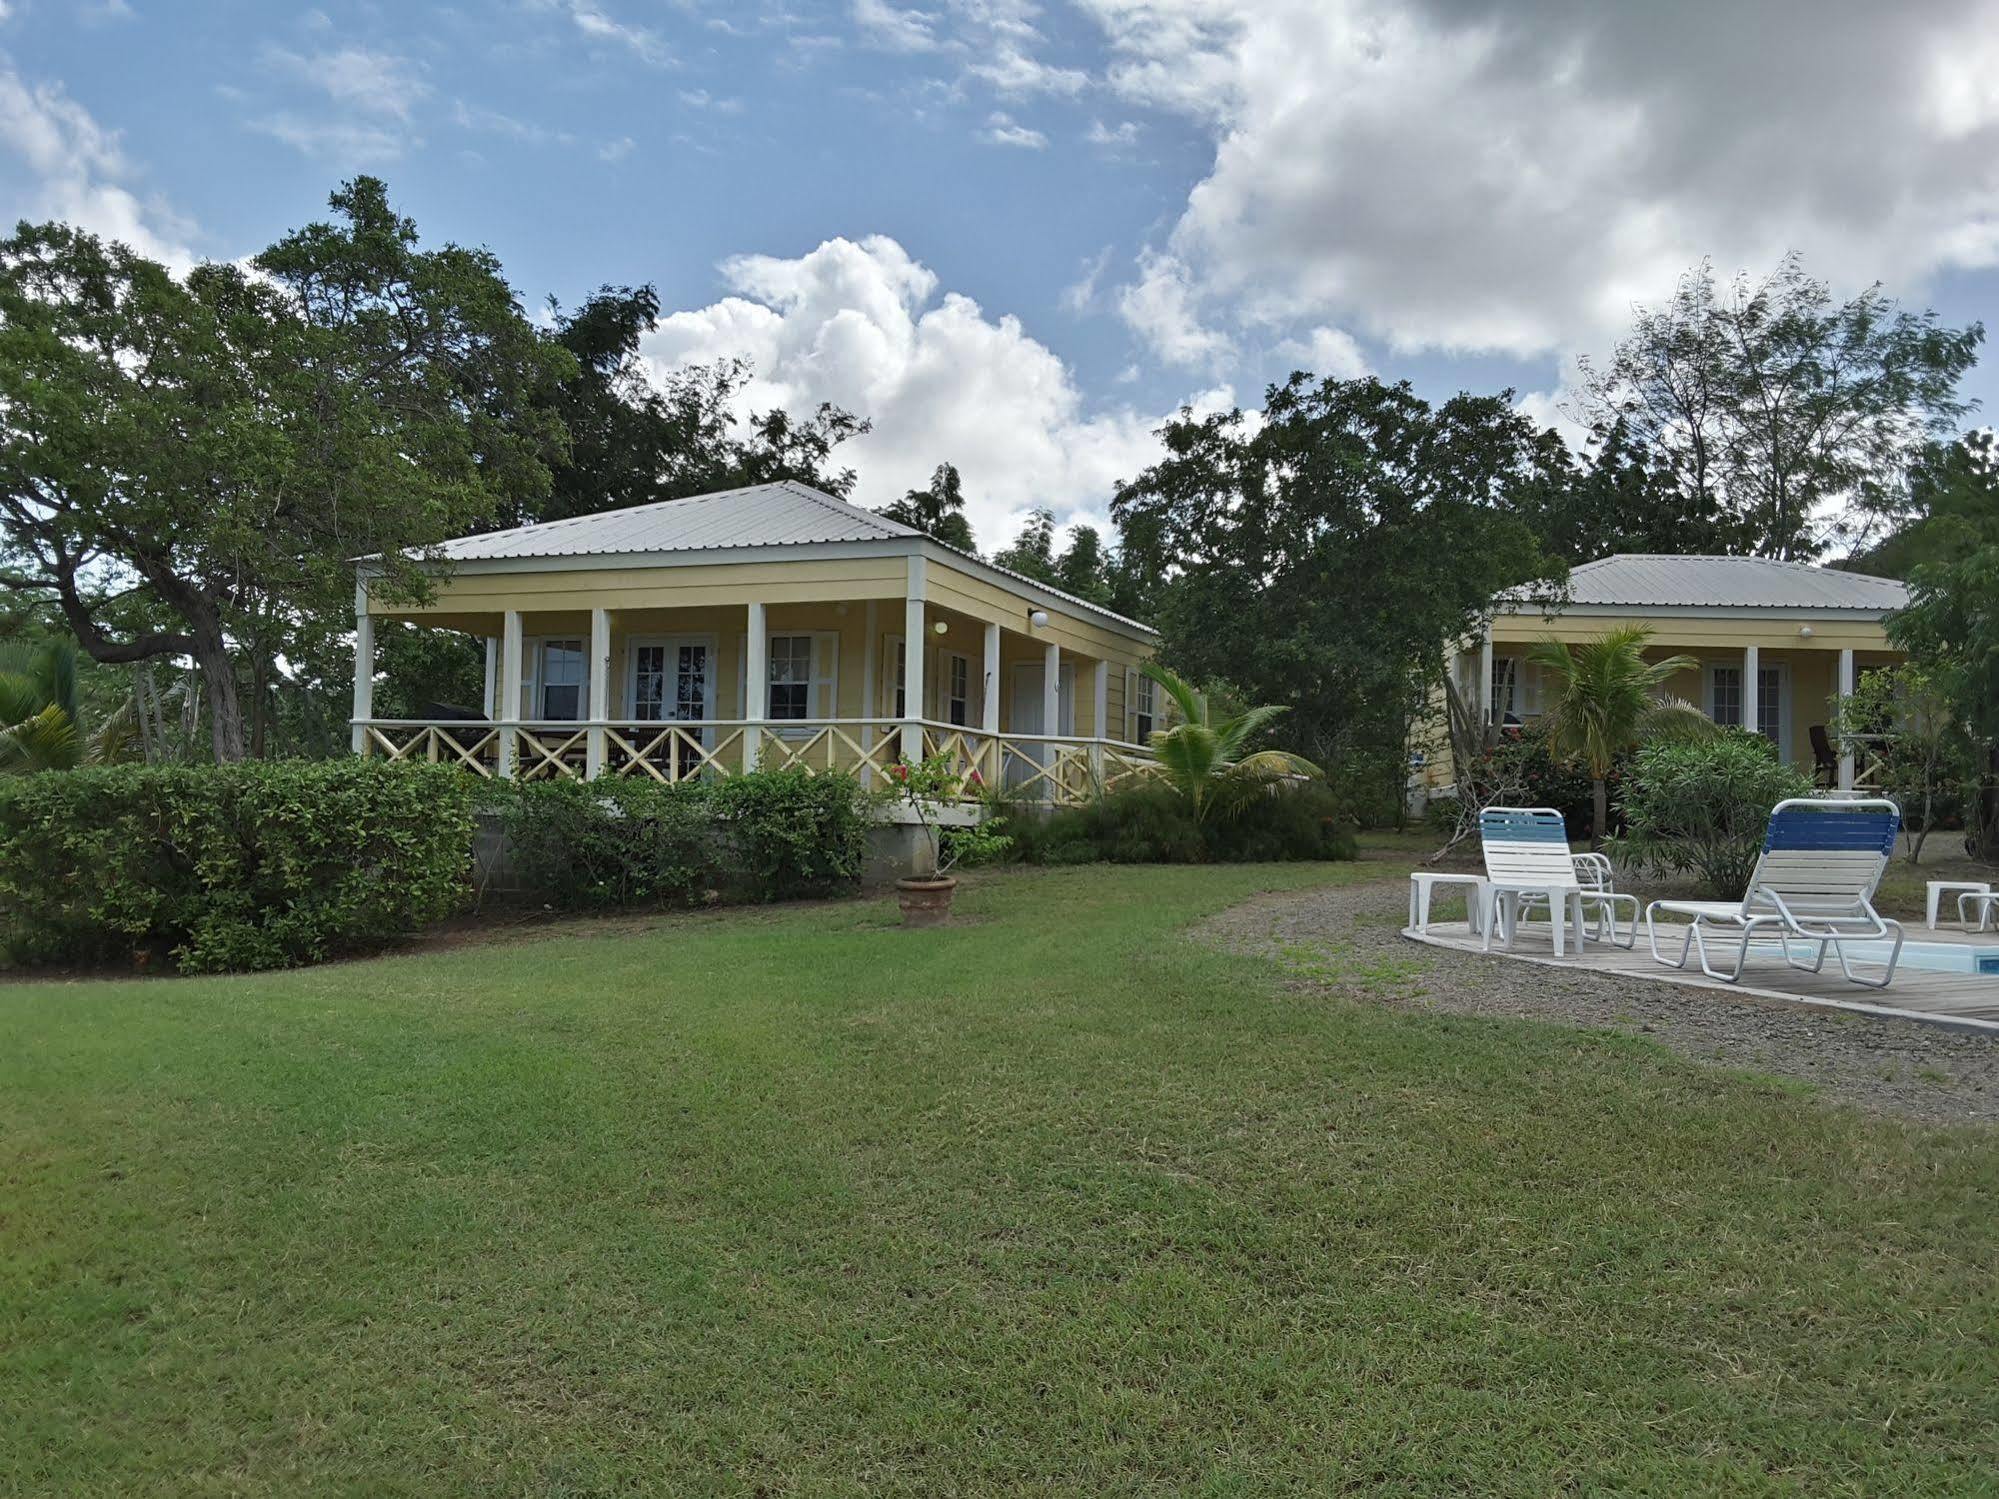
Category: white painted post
[913,652]
[510,694]
[1749,676]
[490,702]
[870,690]
[756,685]
[1051,707]
[1485,677]
[364,667]
[1846,766]
[1100,712]
[989,700]
[600,693]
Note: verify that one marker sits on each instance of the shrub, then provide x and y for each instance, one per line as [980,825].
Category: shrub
[772,835]
[229,867]
[1701,808]
[1150,824]
[1298,822]
[788,834]
[612,842]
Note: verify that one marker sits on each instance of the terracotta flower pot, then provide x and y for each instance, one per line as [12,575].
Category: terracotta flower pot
[926,902]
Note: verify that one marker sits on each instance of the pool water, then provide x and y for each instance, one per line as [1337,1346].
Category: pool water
[1933,957]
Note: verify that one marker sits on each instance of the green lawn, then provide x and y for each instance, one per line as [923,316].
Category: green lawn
[1055,1201]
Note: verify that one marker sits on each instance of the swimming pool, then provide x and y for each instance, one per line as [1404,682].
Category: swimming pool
[1932,957]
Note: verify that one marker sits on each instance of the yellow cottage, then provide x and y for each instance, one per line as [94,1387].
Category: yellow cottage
[624,643]
[1800,634]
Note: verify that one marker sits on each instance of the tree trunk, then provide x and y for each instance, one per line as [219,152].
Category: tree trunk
[1599,791]
[225,704]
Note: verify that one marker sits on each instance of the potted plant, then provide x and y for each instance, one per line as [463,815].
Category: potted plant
[930,789]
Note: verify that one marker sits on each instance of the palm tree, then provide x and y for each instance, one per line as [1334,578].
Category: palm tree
[1608,698]
[40,728]
[1203,758]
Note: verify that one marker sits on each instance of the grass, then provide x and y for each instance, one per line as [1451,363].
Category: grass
[1055,1201]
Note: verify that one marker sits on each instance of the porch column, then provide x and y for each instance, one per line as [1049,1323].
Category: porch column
[870,685]
[1485,676]
[506,708]
[508,704]
[756,685]
[989,701]
[490,703]
[599,680]
[913,653]
[1846,745]
[1051,710]
[1749,673]
[364,666]
[1100,719]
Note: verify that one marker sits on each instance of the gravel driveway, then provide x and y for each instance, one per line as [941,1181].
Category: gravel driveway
[1347,941]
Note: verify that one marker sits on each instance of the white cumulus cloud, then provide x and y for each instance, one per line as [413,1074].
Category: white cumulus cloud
[863,325]
[1511,175]
[65,165]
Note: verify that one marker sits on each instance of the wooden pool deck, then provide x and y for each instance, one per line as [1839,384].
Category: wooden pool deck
[1963,1001]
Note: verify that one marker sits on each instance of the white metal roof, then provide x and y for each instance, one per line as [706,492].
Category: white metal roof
[1650,580]
[782,514]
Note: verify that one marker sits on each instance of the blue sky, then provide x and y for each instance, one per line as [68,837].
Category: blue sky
[1016,235]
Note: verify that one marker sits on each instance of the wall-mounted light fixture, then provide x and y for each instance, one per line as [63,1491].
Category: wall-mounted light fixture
[1807,631]
[1039,619]
[941,627]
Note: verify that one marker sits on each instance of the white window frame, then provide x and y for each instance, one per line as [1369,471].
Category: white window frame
[535,649]
[670,644]
[1142,703]
[947,661]
[823,694]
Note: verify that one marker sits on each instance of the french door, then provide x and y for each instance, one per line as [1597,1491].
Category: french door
[672,679]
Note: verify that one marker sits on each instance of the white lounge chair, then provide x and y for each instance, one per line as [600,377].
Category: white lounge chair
[1813,883]
[1977,910]
[1528,865]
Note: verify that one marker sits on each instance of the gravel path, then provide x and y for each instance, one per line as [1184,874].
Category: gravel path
[1347,941]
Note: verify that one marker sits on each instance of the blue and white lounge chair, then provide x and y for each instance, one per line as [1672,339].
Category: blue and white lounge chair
[1528,864]
[1812,886]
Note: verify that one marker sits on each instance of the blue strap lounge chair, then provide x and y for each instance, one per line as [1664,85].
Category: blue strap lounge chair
[1812,888]
[1528,864]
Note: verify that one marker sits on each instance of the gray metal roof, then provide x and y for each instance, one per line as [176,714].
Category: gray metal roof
[1649,580]
[762,515]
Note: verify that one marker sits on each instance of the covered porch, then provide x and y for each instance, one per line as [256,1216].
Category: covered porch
[858,665]
[1801,675]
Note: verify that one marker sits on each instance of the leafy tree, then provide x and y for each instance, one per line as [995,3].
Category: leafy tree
[187,466]
[636,436]
[1607,698]
[937,511]
[1903,719]
[1777,411]
[1032,553]
[1951,626]
[1327,558]
[1085,565]
[1206,757]
[1616,498]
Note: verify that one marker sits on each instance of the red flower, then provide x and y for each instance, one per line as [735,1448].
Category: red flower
[976,779]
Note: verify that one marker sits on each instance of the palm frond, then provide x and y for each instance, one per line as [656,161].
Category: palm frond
[46,740]
[1193,705]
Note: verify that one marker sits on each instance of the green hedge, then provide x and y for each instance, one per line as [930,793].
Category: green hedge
[1151,825]
[775,835]
[229,867]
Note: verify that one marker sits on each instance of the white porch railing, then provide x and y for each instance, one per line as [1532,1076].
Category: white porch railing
[1061,769]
